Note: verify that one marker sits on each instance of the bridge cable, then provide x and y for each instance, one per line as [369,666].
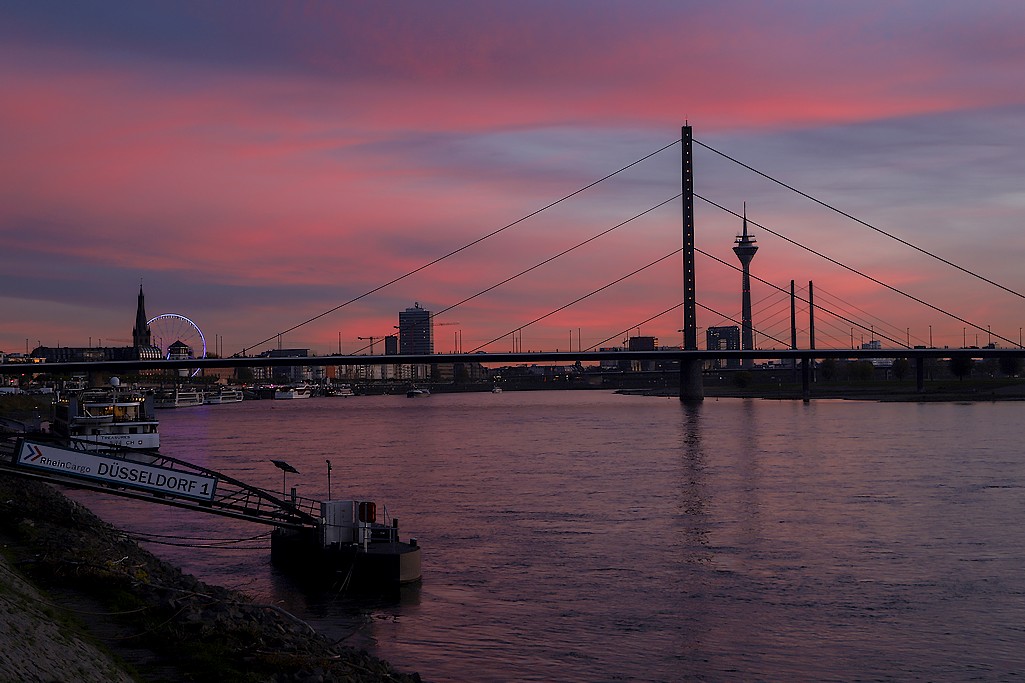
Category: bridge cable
[894,329]
[796,296]
[857,272]
[754,307]
[715,258]
[777,301]
[579,299]
[755,330]
[669,310]
[549,260]
[610,175]
[465,246]
[619,334]
[858,220]
[602,234]
[559,255]
[607,231]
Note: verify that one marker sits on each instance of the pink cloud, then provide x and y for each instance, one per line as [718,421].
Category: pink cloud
[357,156]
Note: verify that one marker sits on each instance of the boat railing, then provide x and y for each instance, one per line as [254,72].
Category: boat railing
[376,531]
[101,418]
[372,532]
[308,506]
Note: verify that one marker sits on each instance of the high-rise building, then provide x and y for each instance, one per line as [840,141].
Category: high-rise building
[745,251]
[641,344]
[726,338]
[416,331]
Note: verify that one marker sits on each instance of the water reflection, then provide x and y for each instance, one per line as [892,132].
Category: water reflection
[691,519]
[588,536]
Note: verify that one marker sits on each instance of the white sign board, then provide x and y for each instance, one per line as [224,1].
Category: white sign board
[116,471]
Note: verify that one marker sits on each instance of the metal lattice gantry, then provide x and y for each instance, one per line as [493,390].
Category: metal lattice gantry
[229,497]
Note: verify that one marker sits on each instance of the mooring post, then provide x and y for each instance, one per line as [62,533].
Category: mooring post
[691,387]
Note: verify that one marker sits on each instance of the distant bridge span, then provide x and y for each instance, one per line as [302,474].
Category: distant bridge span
[688,359]
[543,357]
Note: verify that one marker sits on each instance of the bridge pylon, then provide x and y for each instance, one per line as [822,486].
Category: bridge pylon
[691,387]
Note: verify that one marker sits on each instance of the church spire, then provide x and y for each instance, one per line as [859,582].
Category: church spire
[141,335]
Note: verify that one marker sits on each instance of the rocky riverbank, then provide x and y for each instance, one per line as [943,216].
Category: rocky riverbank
[80,601]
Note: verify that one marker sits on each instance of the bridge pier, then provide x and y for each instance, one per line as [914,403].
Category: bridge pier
[806,379]
[920,374]
[692,388]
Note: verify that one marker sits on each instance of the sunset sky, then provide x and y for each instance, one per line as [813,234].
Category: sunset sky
[256,164]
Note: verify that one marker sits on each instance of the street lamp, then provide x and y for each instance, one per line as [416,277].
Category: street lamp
[328,479]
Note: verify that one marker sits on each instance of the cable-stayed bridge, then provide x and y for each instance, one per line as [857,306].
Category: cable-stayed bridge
[690,356]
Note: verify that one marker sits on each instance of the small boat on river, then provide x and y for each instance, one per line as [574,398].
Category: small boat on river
[223,395]
[179,398]
[342,390]
[293,391]
[414,392]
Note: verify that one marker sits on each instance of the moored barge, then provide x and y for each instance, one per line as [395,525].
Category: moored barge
[350,549]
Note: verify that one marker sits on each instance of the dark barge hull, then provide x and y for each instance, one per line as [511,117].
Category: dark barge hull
[381,564]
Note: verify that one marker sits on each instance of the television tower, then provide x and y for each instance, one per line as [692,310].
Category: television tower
[745,251]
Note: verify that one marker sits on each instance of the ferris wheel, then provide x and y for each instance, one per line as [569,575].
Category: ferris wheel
[177,337]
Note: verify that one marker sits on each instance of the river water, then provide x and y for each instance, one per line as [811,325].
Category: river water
[589,536]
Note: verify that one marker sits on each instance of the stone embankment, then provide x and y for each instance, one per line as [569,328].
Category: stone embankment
[80,601]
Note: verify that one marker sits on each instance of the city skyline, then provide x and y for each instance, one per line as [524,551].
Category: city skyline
[256,170]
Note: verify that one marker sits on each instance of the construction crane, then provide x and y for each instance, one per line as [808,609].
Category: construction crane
[457,336]
[371,342]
